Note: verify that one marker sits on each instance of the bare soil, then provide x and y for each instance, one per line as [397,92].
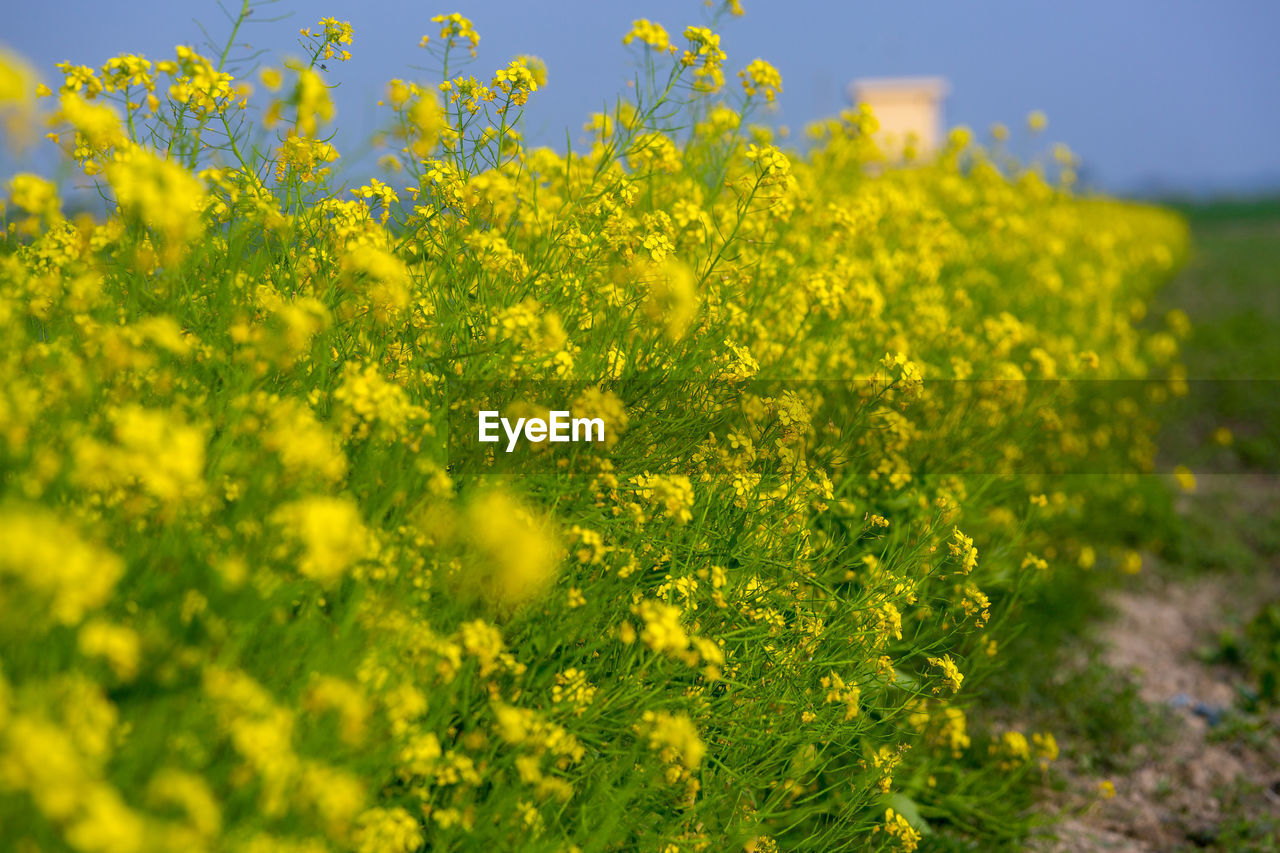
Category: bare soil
[1189,787]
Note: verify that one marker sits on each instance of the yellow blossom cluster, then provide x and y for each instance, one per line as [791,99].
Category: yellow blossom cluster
[650,34]
[759,77]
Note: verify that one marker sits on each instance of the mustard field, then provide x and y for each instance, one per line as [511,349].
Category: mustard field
[858,409]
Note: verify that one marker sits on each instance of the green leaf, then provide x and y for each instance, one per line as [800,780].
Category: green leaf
[905,806]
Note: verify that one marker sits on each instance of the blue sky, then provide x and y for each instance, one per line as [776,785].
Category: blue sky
[1176,95]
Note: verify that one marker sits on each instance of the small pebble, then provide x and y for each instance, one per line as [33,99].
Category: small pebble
[1211,713]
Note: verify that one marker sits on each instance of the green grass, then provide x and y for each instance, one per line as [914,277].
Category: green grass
[1228,209]
[1055,677]
[1231,291]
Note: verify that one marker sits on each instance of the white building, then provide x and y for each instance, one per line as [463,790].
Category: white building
[908,108]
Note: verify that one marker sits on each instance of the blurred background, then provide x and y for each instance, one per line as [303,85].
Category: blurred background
[1156,97]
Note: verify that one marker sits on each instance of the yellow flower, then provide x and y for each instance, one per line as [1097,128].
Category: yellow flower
[649,33]
[902,835]
[705,57]
[382,276]
[536,67]
[190,793]
[333,36]
[517,81]
[304,445]
[573,689]
[17,80]
[368,404]
[953,731]
[671,296]
[1046,747]
[455,26]
[154,451]
[1034,562]
[304,158]
[37,197]
[272,78]
[118,645]
[17,98]
[773,168]
[332,535]
[312,101]
[950,672]
[127,71]
[662,629]
[387,831]
[160,192]
[96,128]
[419,756]
[673,494]
[761,78]
[1014,744]
[962,549]
[840,693]
[674,736]
[424,122]
[197,82]
[48,556]
[327,693]
[518,556]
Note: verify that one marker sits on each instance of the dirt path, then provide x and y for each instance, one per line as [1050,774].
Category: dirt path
[1213,778]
